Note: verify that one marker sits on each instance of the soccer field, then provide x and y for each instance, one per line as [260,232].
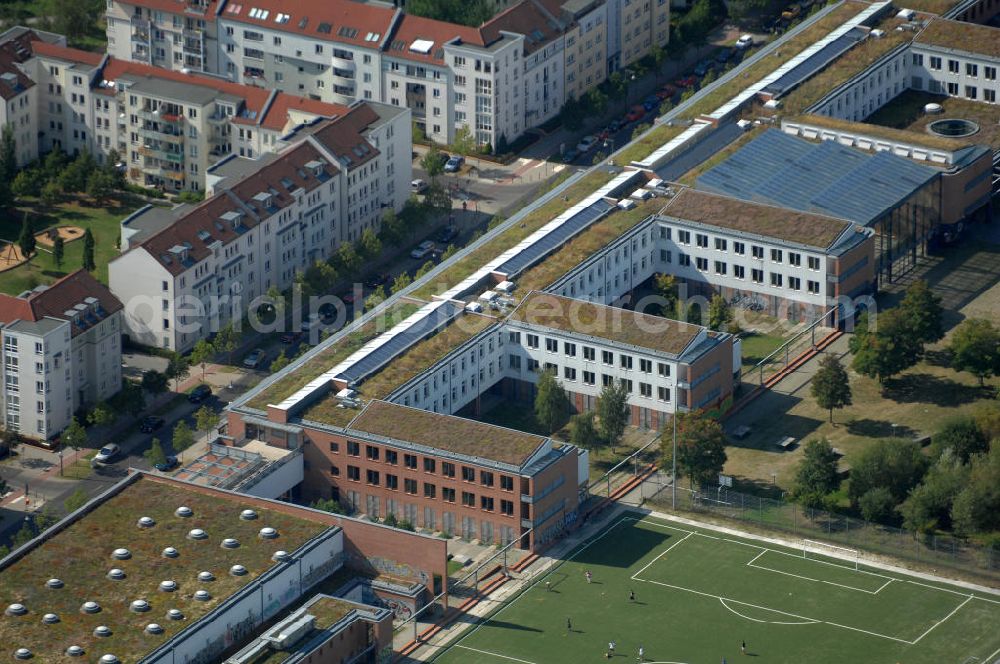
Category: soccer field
[699,593]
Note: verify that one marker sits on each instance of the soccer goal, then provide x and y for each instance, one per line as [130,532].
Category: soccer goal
[814,549]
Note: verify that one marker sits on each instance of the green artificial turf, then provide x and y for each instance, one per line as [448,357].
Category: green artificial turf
[701,593]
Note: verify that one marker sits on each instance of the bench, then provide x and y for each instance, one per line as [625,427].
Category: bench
[786,443]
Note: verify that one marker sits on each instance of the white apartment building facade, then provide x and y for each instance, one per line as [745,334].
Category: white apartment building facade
[957,59]
[196,273]
[20,95]
[513,72]
[62,351]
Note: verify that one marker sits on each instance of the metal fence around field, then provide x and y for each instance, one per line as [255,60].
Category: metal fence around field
[871,538]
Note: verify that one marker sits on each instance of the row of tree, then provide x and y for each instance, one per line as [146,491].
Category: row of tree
[955,487]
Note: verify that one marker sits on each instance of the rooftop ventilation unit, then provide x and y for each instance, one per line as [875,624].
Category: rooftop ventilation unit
[202,595]
[139,606]
[109,659]
[268,533]
[230,543]
[50,619]
[168,586]
[16,610]
[237,570]
[293,632]
[175,614]
[506,287]
[197,534]
[146,522]
[102,631]
[184,512]
[54,583]
[116,574]
[121,554]
[248,515]
[206,577]
[75,651]
[90,607]
[154,628]
[474,307]
[347,393]
[170,552]
[22,653]
[280,556]
[626,204]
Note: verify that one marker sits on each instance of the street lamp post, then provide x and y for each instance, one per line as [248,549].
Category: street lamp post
[60,462]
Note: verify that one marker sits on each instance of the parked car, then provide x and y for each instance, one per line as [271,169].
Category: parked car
[615,125]
[724,54]
[744,42]
[703,68]
[422,250]
[666,92]
[200,393]
[108,453]
[791,12]
[650,104]
[570,156]
[685,81]
[307,325]
[290,337]
[586,143]
[454,164]
[151,423]
[169,464]
[635,113]
[376,280]
[418,186]
[255,358]
[447,234]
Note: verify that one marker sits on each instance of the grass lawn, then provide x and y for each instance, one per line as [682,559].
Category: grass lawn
[103,222]
[757,346]
[700,593]
[79,469]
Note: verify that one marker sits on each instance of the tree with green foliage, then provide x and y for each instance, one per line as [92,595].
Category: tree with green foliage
[449,252]
[928,507]
[701,447]
[227,340]
[101,415]
[376,298]
[370,247]
[961,436]
[74,436]
[111,161]
[154,382]
[472,13]
[613,412]
[464,142]
[183,437]
[73,177]
[26,239]
[349,259]
[130,398]
[393,230]
[205,419]
[816,476]
[830,385]
[24,535]
[280,362]
[551,402]
[596,101]
[583,431]
[100,186]
[75,500]
[432,162]
[975,348]
[617,87]
[425,268]
[51,193]
[177,369]
[878,505]
[401,281]
[977,506]
[27,182]
[922,310]
[88,251]
[328,505]
[58,250]
[8,164]
[720,314]
[887,351]
[893,464]
[437,197]
[665,285]
[202,354]
[572,114]
[155,455]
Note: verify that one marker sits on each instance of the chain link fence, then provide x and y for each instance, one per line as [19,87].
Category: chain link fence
[934,550]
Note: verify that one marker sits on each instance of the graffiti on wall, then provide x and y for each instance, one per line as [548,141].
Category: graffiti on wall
[400,609]
[393,568]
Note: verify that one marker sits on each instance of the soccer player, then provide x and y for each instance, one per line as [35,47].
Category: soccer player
[631,595]
[642,654]
[569,624]
[611,649]
[743,647]
[590,577]
[548,585]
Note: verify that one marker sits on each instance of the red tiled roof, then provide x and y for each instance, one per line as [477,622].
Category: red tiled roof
[277,113]
[345,136]
[46,49]
[55,300]
[411,28]
[525,18]
[254,96]
[336,20]
[12,51]
[206,217]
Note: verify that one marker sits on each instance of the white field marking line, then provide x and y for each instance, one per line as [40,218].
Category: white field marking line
[662,553]
[537,580]
[949,590]
[882,587]
[808,578]
[989,658]
[494,654]
[650,522]
[751,563]
[770,622]
[765,608]
[954,611]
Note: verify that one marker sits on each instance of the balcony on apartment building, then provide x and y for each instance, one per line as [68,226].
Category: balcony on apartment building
[140,54]
[163,172]
[342,78]
[343,60]
[140,29]
[160,151]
